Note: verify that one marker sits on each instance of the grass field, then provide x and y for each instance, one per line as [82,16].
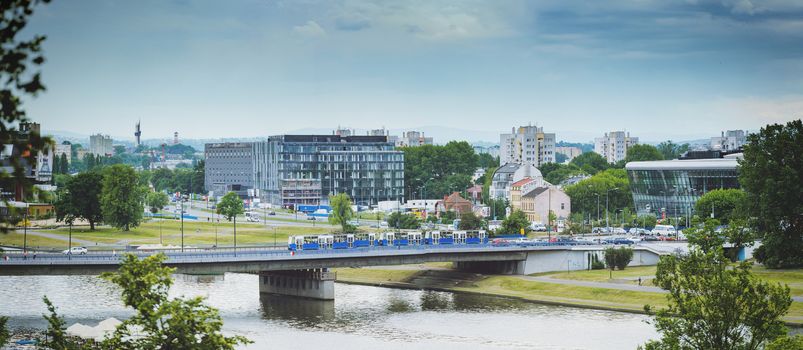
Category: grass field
[195,233]
[35,242]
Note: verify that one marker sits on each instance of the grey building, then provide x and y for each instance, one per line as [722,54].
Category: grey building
[305,169]
[294,169]
[229,167]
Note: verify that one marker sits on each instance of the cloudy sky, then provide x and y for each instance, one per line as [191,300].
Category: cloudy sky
[208,69]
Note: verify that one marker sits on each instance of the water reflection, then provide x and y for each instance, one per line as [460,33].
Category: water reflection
[299,312]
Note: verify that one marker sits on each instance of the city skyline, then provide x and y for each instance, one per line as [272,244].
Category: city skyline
[268,68]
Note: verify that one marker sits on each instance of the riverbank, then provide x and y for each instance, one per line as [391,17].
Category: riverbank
[561,292]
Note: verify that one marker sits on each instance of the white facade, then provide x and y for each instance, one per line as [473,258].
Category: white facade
[527,145]
[613,146]
[101,145]
[729,140]
[66,150]
[413,138]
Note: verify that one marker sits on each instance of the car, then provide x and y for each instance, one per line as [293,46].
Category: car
[354,222]
[650,238]
[619,230]
[271,213]
[311,218]
[75,251]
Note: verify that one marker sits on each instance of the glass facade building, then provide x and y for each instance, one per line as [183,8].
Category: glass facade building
[367,168]
[672,187]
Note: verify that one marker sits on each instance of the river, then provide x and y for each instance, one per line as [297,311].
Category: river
[361,317]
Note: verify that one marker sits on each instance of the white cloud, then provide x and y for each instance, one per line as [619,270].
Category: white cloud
[311,28]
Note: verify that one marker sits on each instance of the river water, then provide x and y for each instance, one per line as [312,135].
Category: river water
[360,317]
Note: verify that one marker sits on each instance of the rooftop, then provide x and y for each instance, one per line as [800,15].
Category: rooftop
[691,164]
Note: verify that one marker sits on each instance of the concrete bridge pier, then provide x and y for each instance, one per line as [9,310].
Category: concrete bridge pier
[311,283]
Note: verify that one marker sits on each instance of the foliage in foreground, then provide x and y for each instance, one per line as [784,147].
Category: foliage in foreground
[158,322]
[4,334]
[341,211]
[713,305]
[403,221]
[770,174]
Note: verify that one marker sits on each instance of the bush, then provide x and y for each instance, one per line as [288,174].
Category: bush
[618,258]
[596,263]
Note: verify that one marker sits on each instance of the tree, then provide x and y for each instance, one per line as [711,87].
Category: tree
[438,170]
[4,334]
[20,81]
[81,199]
[671,150]
[230,206]
[56,330]
[770,174]
[121,197]
[713,305]
[611,184]
[647,221]
[485,161]
[469,221]
[705,236]
[516,223]
[498,208]
[725,203]
[618,258]
[590,162]
[403,221]
[341,211]
[638,153]
[158,321]
[156,201]
[65,164]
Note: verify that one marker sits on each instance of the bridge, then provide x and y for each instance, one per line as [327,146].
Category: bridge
[306,273]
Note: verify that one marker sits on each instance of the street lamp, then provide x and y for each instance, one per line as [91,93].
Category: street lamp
[607,224]
[182,225]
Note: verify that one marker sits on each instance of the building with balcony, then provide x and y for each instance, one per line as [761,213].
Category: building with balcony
[528,145]
[613,146]
[101,145]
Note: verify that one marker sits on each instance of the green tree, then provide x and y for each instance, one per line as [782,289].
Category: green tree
[705,236]
[121,197]
[161,322]
[4,333]
[21,81]
[786,343]
[713,305]
[671,150]
[726,204]
[618,258]
[497,206]
[449,167]
[341,211]
[771,174]
[403,221]
[469,221]
[516,223]
[638,153]
[81,199]
[56,335]
[65,164]
[230,206]
[156,201]
[485,161]
[590,162]
[647,221]
[611,184]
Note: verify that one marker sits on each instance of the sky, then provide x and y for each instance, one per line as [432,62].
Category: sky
[218,69]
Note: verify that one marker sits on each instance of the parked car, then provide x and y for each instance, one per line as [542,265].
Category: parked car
[75,251]
[538,227]
[271,213]
[311,218]
[619,230]
[650,238]
[664,230]
[354,222]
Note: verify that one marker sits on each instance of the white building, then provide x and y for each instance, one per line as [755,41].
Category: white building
[527,145]
[613,146]
[65,149]
[101,145]
[569,152]
[413,138]
[729,140]
[508,174]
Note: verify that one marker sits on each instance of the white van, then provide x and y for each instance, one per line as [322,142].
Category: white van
[664,230]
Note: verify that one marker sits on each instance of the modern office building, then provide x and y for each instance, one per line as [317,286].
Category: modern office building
[528,145]
[229,166]
[101,145]
[613,146]
[367,168]
[289,170]
[670,188]
[729,141]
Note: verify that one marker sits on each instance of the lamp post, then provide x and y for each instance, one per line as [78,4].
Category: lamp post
[182,225]
[25,231]
[607,224]
[69,248]
[598,195]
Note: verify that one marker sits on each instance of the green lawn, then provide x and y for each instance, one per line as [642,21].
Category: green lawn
[36,242]
[604,275]
[791,277]
[195,233]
